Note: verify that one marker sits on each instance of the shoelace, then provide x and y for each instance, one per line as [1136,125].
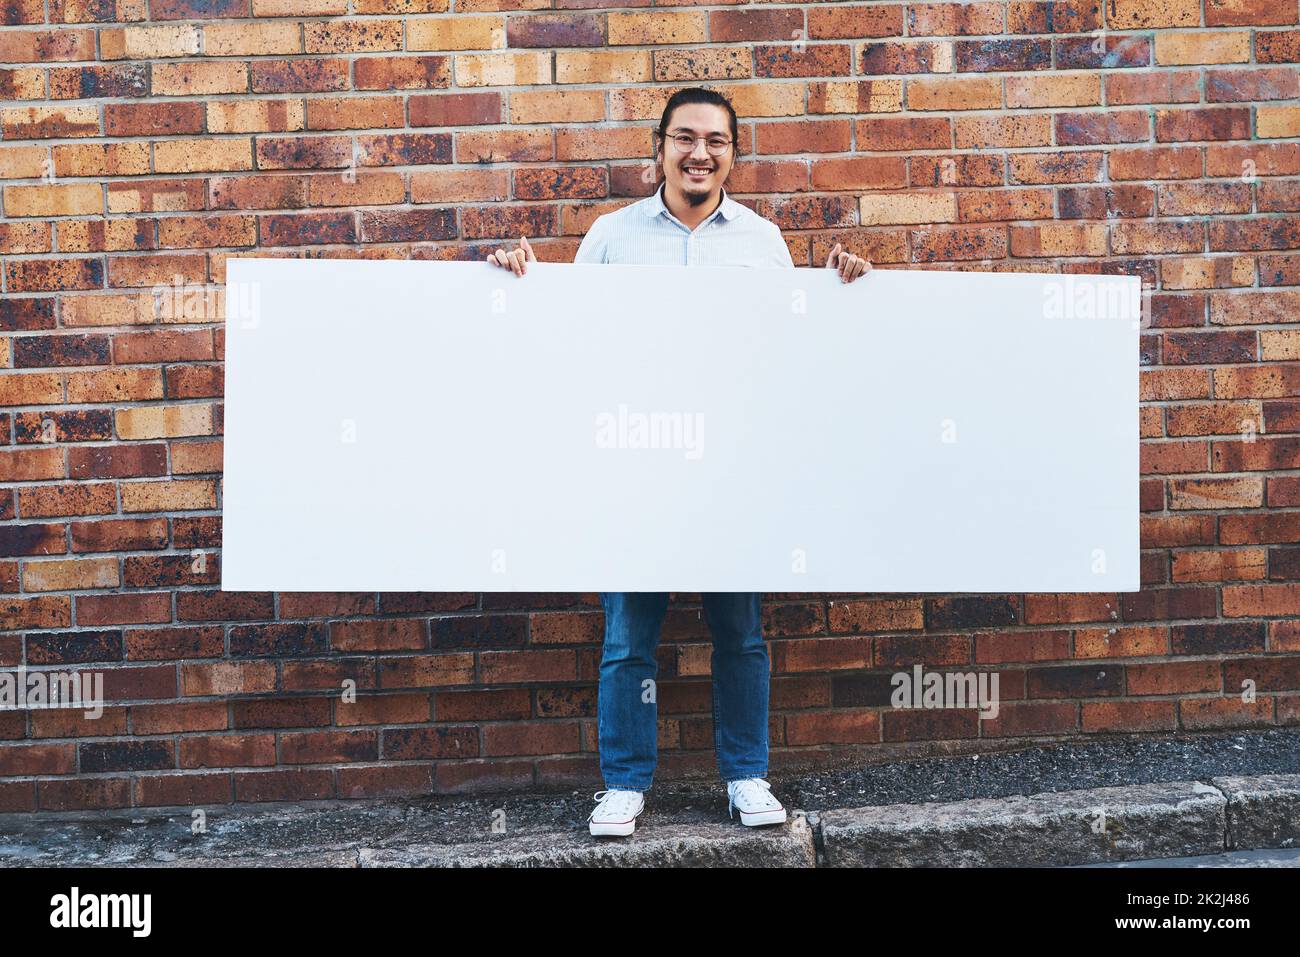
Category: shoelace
[614,801]
[752,791]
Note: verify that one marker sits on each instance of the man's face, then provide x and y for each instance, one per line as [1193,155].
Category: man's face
[697,175]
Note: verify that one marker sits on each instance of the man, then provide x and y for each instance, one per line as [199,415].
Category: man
[688,221]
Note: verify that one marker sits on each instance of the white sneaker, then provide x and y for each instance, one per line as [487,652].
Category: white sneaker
[753,796]
[615,815]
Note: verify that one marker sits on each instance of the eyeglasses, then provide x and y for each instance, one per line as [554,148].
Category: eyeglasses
[716,145]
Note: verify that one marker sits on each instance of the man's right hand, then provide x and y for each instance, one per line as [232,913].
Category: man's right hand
[517,259]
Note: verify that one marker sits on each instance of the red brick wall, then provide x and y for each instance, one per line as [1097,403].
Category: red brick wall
[144,141]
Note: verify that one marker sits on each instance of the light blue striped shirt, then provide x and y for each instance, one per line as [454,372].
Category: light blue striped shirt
[645,233]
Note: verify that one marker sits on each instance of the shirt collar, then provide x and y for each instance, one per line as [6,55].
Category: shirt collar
[728,208]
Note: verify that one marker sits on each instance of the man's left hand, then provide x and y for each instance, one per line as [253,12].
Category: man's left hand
[850,267]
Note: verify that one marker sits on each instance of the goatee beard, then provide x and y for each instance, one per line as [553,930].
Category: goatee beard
[695,199]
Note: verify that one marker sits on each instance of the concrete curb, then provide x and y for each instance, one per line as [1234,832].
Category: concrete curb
[1175,819]
[694,845]
[1069,827]
[1062,828]
[691,845]
[1263,811]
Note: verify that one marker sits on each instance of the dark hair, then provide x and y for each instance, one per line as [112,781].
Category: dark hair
[698,94]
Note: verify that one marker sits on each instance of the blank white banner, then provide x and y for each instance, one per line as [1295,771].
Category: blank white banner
[434,426]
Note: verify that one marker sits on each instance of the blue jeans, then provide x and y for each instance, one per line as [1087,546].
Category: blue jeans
[626,705]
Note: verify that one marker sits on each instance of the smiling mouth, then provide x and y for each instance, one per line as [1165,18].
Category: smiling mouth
[698,170]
